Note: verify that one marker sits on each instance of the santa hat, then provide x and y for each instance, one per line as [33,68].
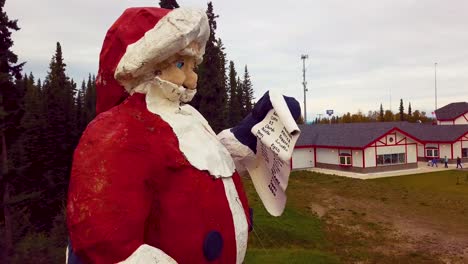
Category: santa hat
[138,41]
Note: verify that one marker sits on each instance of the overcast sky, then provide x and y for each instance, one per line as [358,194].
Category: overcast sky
[361,53]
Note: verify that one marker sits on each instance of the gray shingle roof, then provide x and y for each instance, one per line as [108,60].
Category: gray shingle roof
[358,135]
[451,111]
[434,133]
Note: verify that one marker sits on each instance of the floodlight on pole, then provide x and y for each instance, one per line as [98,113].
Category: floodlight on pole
[304,83]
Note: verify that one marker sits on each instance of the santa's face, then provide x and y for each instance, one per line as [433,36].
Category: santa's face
[181,72]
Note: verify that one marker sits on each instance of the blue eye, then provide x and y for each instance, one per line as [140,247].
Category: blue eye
[180,64]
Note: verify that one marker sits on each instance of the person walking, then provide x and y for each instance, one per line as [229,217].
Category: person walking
[459,163]
[446,162]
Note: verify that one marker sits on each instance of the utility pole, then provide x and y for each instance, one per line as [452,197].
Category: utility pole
[390,98]
[303,58]
[435,85]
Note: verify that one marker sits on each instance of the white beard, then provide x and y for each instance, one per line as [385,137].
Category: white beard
[197,140]
[171,91]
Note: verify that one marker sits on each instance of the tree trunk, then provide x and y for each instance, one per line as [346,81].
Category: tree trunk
[6,200]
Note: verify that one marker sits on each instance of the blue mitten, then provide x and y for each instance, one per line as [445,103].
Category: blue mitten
[242,132]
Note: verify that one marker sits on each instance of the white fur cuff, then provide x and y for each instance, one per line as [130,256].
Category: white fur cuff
[146,254]
[240,153]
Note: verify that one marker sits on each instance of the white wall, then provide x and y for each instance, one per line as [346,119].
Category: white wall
[445,150]
[303,158]
[464,144]
[445,123]
[421,150]
[357,158]
[458,121]
[457,148]
[370,157]
[329,156]
[411,154]
[400,137]
[390,150]
[461,120]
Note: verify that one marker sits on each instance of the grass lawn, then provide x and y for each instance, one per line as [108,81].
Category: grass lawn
[366,221]
[442,182]
[295,237]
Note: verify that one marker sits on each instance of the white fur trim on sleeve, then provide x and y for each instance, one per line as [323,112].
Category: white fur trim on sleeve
[171,35]
[240,153]
[146,254]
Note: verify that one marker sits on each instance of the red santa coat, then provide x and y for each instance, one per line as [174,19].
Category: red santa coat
[131,185]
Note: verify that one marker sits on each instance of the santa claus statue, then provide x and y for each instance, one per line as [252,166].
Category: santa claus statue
[151,182]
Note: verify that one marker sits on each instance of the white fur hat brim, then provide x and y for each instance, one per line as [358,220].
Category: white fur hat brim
[171,35]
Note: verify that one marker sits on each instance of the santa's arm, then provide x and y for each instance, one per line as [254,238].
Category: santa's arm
[109,201]
[241,142]
[262,144]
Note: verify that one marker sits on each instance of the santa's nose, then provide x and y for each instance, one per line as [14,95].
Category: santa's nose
[191,80]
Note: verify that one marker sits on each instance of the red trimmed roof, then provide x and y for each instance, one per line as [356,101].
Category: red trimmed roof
[451,111]
[360,135]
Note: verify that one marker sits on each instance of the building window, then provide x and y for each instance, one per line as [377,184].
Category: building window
[345,159]
[391,159]
[432,153]
[464,152]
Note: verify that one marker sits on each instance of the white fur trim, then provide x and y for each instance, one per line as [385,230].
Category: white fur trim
[146,254]
[172,92]
[66,255]
[171,35]
[197,140]
[241,227]
[240,153]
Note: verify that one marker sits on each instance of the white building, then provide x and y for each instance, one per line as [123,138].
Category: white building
[383,146]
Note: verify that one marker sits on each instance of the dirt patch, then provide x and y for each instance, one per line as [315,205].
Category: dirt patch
[318,209]
[370,223]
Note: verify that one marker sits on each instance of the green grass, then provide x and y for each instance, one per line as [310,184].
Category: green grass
[290,256]
[295,237]
[300,236]
[442,182]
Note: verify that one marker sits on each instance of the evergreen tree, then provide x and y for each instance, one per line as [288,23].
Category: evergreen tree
[168,4]
[71,91]
[33,121]
[224,82]
[381,114]
[80,107]
[240,99]
[60,138]
[235,111]
[210,99]
[247,92]
[11,112]
[90,99]
[409,109]
[402,111]
[39,85]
